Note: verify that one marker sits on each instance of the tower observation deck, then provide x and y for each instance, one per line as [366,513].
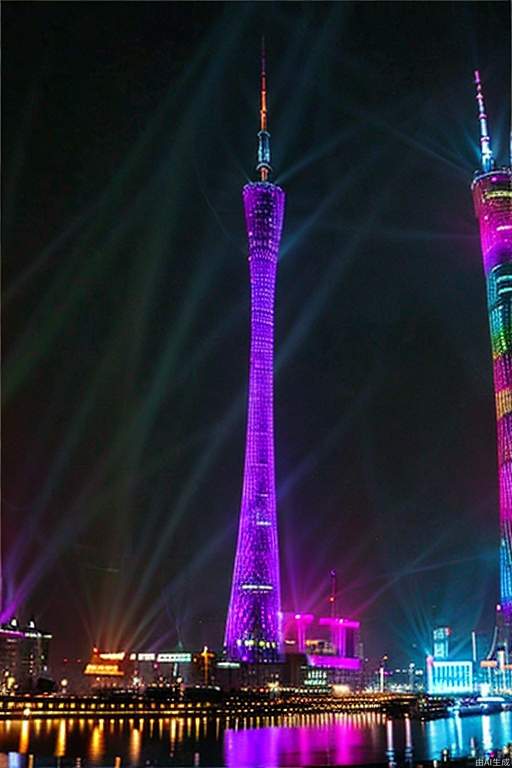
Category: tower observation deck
[253,631]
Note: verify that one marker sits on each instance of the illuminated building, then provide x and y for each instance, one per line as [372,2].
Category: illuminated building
[138,670]
[24,655]
[497,672]
[449,677]
[297,631]
[441,638]
[253,627]
[409,678]
[204,663]
[330,645]
[321,636]
[106,668]
[492,196]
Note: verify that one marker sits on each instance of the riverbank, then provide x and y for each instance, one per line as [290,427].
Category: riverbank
[213,703]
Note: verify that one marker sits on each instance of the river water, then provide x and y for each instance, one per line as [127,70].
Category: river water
[298,740]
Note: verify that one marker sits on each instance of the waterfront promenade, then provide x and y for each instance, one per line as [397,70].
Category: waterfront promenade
[198,702]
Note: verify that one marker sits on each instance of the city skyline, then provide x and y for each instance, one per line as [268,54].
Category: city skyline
[125,384]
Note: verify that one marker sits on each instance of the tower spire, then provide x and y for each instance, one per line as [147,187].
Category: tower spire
[263,88]
[263,168]
[486,155]
[332,596]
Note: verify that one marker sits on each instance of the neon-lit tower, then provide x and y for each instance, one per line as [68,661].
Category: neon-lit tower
[492,195]
[253,631]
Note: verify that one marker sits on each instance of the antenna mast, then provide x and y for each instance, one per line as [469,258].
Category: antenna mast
[487,158]
[264,167]
[332,596]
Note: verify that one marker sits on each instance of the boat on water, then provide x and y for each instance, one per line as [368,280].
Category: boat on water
[480,705]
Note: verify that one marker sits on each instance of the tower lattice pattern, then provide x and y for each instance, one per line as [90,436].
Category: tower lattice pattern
[492,194]
[253,623]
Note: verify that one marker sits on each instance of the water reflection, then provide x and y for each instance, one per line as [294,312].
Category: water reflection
[24,737]
[96,745]
[408,751]
[469,735]
[390,744]
[486,732]
[305,740]
[60,744]
[255,742]
[135,745]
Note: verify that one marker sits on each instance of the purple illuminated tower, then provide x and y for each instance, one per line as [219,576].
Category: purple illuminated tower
[492,195]
[253,630]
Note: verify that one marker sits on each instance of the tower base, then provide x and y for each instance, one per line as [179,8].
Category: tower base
[496,669]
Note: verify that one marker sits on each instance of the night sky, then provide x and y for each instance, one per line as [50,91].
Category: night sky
[129,130]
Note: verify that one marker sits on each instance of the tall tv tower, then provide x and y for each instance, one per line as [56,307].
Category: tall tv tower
[492,196]
[253,630]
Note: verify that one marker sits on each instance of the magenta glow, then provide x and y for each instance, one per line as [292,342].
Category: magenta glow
[253,631]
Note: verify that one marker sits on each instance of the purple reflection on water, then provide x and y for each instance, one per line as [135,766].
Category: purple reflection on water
[340,743]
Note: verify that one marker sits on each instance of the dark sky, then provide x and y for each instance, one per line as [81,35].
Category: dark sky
[129,130]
